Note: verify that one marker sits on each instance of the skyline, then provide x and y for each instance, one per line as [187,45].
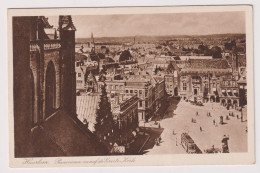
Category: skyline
[206,23]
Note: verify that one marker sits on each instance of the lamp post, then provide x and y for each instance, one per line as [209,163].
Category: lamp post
[242,114]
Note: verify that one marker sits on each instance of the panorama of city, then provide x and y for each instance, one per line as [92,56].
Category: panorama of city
[138,94]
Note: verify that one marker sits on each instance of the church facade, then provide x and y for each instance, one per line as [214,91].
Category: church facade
[44,88]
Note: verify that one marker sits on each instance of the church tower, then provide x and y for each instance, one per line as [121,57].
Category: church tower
[92,43]
[68,80]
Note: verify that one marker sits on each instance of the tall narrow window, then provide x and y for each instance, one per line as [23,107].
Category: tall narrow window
[140,104]
[140,92]
[184,86]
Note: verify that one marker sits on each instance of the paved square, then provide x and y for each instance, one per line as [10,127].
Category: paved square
[210,135]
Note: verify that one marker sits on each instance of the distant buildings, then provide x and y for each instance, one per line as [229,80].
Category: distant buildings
[179,67]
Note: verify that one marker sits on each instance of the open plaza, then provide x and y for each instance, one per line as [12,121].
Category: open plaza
[198,122]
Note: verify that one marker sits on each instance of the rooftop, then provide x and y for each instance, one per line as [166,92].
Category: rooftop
[87,105]
[203,64]
[67,137]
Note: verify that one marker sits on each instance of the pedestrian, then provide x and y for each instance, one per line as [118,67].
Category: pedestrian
[176,142]
[227,118]
[197,113]
[159,125]
[200,129]
[214,122]
[237,117]
[160,139]
[209,114]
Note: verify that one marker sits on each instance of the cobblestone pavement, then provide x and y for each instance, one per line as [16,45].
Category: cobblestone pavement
[210,135]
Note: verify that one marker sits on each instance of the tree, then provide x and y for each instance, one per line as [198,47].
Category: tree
[101,56]
[230,46]
[125,55]
[104,117]
[216,52]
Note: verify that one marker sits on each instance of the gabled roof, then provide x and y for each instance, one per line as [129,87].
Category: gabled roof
[173,66]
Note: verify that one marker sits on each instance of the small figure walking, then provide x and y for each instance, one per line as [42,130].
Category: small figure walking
[200,129]
[197,113]
[209,114]
[159,125]
[176,142]
[214,122]
[160,139]
[237,117]
[227,118]
[156,141]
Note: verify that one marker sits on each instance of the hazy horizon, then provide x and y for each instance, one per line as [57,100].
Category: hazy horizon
[130,25]
[160,35]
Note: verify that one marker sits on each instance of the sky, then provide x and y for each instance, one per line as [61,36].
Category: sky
[157,24]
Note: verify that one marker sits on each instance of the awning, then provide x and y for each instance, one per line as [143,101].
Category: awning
[229,91]
[234,91]
[223,91]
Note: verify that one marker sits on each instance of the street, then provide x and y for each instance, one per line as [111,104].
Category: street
[209,135]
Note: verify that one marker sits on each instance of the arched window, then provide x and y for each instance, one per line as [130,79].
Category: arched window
[50,90]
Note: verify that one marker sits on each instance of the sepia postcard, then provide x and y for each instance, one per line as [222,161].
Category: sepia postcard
[131,86]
